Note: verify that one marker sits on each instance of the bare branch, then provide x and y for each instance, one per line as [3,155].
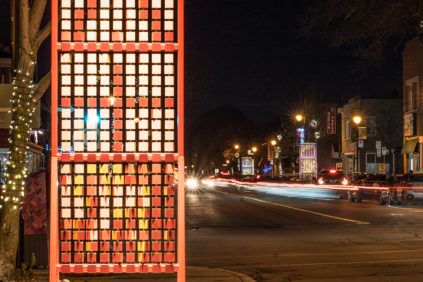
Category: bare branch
[41,36]
[42,86]
[35,16]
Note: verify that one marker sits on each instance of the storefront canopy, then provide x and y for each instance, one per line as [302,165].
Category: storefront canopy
[409,146]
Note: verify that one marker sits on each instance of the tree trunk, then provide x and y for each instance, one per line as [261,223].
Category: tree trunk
[23,106]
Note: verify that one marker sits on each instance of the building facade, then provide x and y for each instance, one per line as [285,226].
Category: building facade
[371,135]
[413,105]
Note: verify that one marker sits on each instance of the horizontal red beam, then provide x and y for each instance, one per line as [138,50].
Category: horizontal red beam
[118,47]
[105,158]
[117,268]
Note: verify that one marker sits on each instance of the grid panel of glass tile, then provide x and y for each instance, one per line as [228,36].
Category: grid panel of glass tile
[117,20]
[117,102]
[117,213]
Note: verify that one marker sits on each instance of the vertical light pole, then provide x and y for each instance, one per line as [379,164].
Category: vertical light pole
[300,118]
[273,142]
[237,158]
[357,120]
[254,150]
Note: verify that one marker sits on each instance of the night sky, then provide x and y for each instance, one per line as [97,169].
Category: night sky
[248,54]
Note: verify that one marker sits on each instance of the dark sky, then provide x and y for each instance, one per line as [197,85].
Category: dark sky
[248,54]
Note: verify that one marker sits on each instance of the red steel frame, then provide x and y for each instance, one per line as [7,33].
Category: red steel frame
[54,265]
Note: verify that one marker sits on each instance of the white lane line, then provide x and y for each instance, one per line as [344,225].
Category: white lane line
[310,254]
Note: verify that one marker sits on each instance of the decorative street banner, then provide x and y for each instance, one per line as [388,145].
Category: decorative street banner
[331,121]
[308,160]
[247,166]
[117,137]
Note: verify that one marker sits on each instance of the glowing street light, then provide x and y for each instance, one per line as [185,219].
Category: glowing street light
[299,117]
[236,147]
[254,149]
[356,119]
[273,142]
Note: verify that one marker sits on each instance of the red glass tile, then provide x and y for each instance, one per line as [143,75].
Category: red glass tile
[92,102]
[118,147]
[156,14]
[143,14]
[104,102]
[117,113]
[65,35]
[104,257]
[155,102]
[169,37]
[65,102]
[155,25]
[79,36]
[156,36]
[79,25]
[79,102]
[143,3]
[79,14]
[117,124]
[117,135]
[92,13]
[143,235]
[143,102]
[92,3]
[117,80]
[169,103]
[130,102]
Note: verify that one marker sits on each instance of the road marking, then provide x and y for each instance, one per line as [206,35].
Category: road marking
[309,254]
[221,192]
[331,263]
[309,211]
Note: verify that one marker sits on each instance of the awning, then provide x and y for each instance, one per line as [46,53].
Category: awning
[409,146]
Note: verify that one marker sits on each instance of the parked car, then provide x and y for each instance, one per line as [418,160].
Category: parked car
[367,184]
[403,188]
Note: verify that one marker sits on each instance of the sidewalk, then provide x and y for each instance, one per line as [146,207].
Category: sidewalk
[194,274]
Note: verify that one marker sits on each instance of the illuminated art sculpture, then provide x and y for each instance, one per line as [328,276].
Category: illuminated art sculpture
[117,137]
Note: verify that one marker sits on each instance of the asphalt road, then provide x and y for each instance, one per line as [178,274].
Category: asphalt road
[302,235]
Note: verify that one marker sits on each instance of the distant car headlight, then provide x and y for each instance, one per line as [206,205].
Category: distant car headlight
[209,183]
[345,181]
[192,183]
[320,181]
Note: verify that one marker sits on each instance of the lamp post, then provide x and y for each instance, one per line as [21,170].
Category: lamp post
[236,146]
[357,120]
[254,150]
[273,142]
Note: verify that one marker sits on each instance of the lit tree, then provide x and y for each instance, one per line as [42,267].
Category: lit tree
[25,97]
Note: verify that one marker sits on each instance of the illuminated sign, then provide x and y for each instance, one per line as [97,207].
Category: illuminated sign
[308,160]
[300,135]
[247,166]
[117,96]
[331,121]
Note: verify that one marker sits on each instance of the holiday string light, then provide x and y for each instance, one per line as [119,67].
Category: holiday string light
[23,106]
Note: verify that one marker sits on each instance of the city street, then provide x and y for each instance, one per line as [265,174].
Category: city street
[297,234]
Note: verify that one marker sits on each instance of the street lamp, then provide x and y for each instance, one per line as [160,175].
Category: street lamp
[299,117]
[357,120]
[237,157]
[254,150]
[273,142]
